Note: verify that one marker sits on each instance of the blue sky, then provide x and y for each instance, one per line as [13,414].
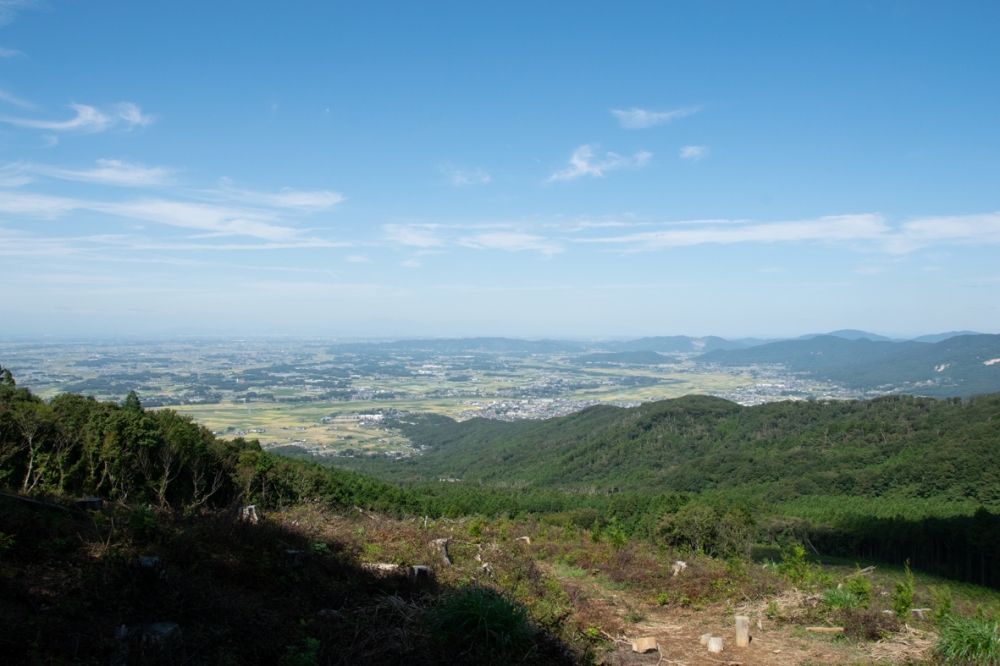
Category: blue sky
[529,169]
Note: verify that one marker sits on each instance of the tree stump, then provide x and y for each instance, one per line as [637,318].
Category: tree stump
[441,545]
[249,514]
[742,631]
[715,644]
[90,504]
[644,644]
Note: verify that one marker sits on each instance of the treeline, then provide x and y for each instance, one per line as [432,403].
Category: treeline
[965,548]
[78,446]
[896,447]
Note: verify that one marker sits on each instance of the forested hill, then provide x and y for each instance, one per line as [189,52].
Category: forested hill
[892,447]
[963,365]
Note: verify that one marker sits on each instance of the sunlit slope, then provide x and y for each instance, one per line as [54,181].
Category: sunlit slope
[893,447]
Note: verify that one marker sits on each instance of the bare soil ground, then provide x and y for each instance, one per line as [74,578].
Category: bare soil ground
[773,643]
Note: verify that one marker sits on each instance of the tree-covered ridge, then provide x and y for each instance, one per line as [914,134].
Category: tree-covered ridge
[956,366]
[890,447]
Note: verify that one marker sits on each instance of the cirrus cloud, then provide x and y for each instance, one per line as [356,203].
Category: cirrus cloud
[583,162]
[641,118]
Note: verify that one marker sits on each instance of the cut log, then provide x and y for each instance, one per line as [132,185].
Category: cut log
[705,638]
[249,514]
[525,540]
[678,567]
[715,644]
[742,631]
[920,613]
[826,630]
[385,569]
[644,644]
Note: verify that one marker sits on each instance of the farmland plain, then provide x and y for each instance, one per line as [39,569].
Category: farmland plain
[328,398]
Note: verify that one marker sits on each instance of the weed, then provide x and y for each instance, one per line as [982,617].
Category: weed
[6,542]
[305,654]
[662,599]
[635,615]
[942,602]
[484,619]
[969,642]
[837,598]
[902,596]
[476,528]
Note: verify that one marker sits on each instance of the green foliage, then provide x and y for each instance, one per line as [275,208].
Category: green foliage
[796,568]
[480,618]
[320,548]
[304,654]
[476,527]
[595,531]
[6,542]
[860,587]
[902,595]
[968,642]
[663,598]
[616,536]
[838,598]
[942,602]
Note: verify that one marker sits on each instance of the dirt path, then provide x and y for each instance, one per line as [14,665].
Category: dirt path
[678,631]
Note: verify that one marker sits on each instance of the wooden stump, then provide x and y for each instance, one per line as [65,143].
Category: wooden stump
[742,631]
[90,504]
[442,547]
[715,644]
[705,638]
[644,644]
[249,514]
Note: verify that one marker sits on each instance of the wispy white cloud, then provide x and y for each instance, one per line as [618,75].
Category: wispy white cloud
[583,163]
[8,9]
[107,172]
[461,178]
[304,200]
[924,231]
[87,119]
[694,153]
[411,263]
[11,175]
[841,228]
[641,118]
[212,219]
[511,241]
[10,53]
[16,101]
[133,115]
[358,259]
[413,235]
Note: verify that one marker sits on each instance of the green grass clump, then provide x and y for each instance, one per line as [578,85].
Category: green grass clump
[484,619]
[968,642]
[840,598]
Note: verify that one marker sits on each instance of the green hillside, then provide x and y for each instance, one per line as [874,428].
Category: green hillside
[895,447]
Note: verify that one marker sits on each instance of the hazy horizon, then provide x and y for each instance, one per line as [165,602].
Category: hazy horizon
[574,171]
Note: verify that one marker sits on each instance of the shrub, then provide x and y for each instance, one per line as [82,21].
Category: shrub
[868,625]
[861,587]
[902,596]
[968,642]
[942,603]
[484,619]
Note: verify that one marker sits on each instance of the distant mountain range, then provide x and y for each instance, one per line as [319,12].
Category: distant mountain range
[961,365]
[670,344]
